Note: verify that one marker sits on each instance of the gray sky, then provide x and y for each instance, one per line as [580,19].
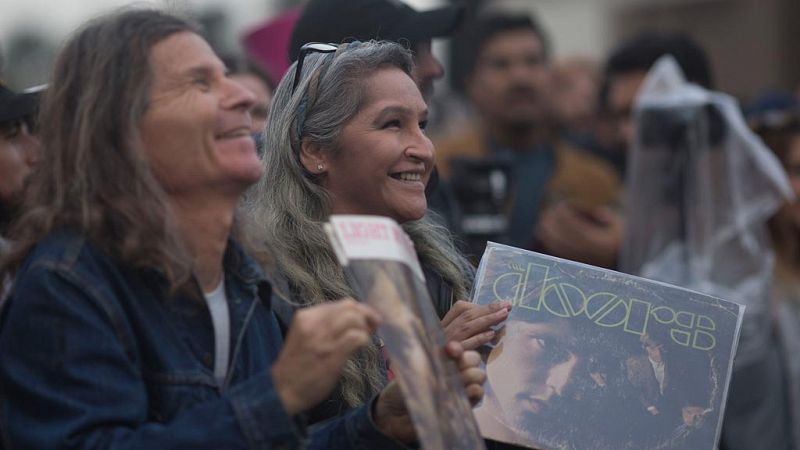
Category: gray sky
[58,17]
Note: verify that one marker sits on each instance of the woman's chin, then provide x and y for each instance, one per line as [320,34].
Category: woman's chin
[410,215]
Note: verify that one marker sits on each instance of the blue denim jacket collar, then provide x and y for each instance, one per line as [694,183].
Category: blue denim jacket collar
[241,265]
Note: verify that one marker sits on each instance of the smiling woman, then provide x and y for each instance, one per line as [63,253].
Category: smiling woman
[350,139]
[388,159]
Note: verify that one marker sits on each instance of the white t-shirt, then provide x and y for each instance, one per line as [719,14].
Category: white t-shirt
[217,303]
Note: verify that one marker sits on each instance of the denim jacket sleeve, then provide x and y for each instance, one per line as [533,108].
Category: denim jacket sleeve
[68,380]
[354,430]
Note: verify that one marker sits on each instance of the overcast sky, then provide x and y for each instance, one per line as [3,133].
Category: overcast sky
[59,17]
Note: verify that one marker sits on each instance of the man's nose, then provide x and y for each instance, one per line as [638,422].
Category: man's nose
[428,68]
[238,96]
[432,70]
[559,376]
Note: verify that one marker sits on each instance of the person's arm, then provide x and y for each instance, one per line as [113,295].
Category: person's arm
[385,422]
[356,429]
[67,380]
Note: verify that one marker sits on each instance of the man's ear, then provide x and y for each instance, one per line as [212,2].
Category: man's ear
[312,157]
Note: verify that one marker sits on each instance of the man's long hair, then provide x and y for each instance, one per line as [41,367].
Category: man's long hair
[289,205]
[93,177]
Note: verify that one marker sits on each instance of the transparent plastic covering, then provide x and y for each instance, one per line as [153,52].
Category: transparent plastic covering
[382,267]
[701,187]
[576,364]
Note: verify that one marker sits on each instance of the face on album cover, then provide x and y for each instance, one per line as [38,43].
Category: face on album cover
[594,359]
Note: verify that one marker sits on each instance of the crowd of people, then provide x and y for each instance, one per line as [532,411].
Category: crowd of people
[167,280]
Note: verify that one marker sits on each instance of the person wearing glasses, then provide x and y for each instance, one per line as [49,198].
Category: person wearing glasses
[392,20]
[137,319]
[347,136]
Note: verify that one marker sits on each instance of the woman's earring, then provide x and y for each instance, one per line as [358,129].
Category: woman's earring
[320,167]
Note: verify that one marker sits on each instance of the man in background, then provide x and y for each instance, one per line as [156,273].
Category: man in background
[249,74]
[391,20]
[19,151]
[756,414]
[596,237]
[507,80]
[625,71]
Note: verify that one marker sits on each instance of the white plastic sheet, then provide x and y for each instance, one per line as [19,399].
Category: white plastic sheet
[701,187]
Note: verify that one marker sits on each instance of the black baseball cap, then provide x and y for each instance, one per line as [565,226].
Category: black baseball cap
[391,20]
[15,106]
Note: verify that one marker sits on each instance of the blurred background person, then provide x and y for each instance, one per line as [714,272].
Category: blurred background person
[701,189]
[510,163]
[250,75]
[19,151]
[596,236]
[19,155]
[574,89]
[776,119]
[624,73]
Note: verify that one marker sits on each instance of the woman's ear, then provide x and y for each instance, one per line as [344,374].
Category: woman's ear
[312,157]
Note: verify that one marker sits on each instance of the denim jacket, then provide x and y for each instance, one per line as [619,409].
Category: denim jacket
[94,355]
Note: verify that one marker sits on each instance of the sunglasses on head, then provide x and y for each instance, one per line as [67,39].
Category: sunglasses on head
[311,47]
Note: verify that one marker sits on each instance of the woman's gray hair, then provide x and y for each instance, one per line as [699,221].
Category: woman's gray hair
[288,206]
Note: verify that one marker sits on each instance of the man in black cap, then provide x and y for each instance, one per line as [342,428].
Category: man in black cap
[392,20]
[19,151]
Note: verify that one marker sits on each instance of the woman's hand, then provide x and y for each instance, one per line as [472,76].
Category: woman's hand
[470,323]
[391,415]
